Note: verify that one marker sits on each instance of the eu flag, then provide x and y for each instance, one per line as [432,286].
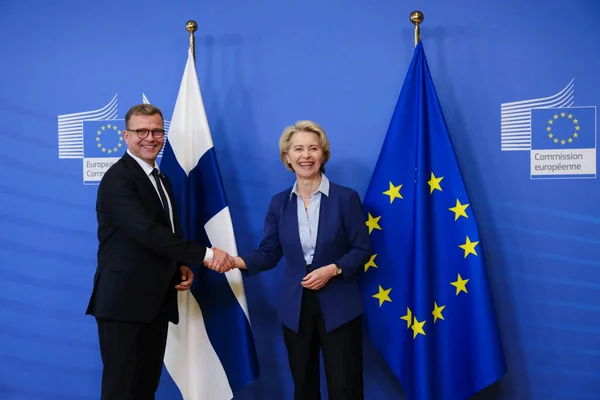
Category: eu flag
[428,307]
[103,138]
[563,128]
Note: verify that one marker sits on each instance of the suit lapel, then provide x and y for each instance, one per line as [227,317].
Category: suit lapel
[290,221]
[147,189]
[324,215]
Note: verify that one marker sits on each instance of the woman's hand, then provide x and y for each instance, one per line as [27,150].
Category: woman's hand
[316,279]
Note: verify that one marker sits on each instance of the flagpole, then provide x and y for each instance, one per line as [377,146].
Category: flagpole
[192,26]
[416,17]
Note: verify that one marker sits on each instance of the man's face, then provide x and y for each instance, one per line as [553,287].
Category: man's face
[148,147]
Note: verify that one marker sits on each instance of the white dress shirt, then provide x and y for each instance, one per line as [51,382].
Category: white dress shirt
[308,219]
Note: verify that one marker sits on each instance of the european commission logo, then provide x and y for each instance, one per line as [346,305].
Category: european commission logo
[561,138]
[96,137]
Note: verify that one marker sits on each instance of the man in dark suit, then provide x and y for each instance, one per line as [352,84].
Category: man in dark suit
[142,262]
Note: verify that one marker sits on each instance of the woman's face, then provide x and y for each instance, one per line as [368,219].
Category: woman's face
[305,154]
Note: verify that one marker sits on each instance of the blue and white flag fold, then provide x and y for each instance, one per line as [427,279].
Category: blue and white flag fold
[210,354]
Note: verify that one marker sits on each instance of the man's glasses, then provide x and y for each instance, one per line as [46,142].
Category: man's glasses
[143,133]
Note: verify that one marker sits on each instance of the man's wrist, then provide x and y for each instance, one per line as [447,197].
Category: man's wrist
[208,256]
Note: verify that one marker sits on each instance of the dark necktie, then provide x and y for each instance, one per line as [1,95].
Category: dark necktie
[163,196]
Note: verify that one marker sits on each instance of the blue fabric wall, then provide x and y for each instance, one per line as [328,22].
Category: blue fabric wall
[263,65]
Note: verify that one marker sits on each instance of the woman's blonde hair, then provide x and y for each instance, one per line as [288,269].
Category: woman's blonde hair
[303,126]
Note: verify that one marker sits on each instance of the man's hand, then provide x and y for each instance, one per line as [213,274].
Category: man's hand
[316,279]
[221,262]
[187,277]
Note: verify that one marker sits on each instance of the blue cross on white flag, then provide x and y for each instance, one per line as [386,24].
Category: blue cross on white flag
[210,353]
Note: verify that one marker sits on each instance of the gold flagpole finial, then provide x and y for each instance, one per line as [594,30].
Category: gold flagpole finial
[192,27]
[416,17]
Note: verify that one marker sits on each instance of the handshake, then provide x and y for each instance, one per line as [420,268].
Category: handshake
[223,262]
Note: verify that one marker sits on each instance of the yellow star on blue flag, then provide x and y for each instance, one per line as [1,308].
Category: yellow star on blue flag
[441,337]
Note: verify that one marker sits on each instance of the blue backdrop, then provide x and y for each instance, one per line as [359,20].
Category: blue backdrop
[263,65]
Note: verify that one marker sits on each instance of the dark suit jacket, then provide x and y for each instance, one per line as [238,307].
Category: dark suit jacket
[342,238]
[138,254]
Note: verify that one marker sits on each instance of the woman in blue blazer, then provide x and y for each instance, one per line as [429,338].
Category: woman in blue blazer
[319,228]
